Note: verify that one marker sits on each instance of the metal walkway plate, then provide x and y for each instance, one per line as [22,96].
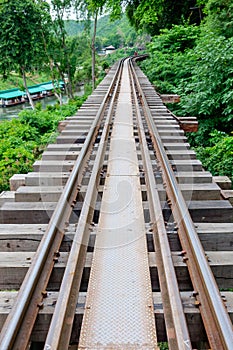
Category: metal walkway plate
[119,310]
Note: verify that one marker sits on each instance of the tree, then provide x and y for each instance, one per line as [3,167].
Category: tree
[23,27]
[91,9]
[153,15]
[220,17]
[61,50]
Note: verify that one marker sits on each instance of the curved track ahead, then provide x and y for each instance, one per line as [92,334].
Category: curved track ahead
[124,214]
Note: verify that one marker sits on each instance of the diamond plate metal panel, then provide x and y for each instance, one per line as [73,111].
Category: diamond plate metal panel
[119,310]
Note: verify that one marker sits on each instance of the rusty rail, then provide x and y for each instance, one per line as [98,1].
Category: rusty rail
[19,324]
[215,317]
[177,330]
[61,325]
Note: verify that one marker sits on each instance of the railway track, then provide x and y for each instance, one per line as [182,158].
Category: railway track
[118,239]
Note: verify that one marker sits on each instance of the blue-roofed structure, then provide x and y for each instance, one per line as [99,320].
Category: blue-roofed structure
[11,97]
[16,96]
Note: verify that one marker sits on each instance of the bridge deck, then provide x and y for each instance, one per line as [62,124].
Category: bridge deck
[119,307]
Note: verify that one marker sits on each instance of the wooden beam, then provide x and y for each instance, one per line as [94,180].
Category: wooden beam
[42,324]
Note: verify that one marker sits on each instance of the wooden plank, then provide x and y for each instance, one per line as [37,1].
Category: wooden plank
[167,126]
[223,182]
[170,98]
[14,265]
[211,211]
[7,196]
[176,146]
[53,166]
[186,165]
[168,133]
[76,133]
[175,139]
[16,181]
[228,195]
[213,236]
[66,147]
[46,178]
[39,213]
[26,213]
[38,193]
[189,126]
[221,264]
[199,192]
[26,238]
[71,139]
[52,193]
[7,299]
[193,177]
[14,237]
[60,155]
[181,154]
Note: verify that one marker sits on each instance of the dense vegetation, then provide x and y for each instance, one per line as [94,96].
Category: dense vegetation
[22,140]
[196,62]
[118,33]
[191,54]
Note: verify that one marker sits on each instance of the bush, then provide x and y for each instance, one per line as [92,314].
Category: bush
[23,140]
[196,63]
[218,158]
[171,60]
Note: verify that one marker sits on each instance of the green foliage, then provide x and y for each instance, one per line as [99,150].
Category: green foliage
[21,42]
[39,119]
[14,80]
[209,91]
[116,32]
[73,27]
[17,149]
[220,17]
[155,15]
[22,140]
[196,63]
[171,62]
[218,158]
[163,346]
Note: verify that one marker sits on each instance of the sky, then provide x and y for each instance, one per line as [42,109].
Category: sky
[69,15]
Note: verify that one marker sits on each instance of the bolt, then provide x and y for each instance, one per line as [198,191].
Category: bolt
[197,303]
[40,305]
[44,293]
[183,252]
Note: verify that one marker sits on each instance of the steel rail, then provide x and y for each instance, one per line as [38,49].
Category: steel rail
[61,325]
[176,326]
[9,337]
[214,314]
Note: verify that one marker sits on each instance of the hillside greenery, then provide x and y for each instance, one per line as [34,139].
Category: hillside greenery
[196,62]
[118,33]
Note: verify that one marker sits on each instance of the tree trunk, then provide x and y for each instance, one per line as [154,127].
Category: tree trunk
[26,88]
[70,87]
[63,79]
[58,95]
[93,51]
